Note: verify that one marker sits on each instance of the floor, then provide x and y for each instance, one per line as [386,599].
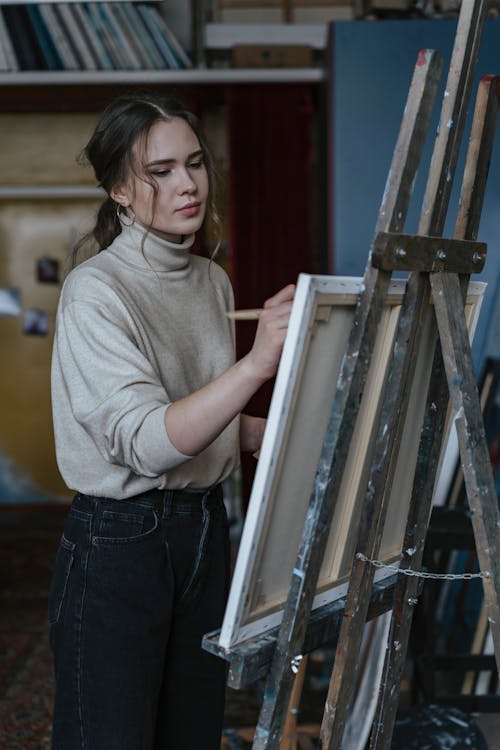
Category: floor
[27,545]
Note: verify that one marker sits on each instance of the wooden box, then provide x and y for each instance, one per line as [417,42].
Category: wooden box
[271,56]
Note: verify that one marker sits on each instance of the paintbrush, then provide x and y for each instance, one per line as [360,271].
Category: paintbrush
[252,314]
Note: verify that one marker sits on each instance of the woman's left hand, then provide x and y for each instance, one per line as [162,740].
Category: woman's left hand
[251,432]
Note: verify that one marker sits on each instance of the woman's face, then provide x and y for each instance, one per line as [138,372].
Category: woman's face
[173,159]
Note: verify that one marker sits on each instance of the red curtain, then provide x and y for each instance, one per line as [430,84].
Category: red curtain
[270,146]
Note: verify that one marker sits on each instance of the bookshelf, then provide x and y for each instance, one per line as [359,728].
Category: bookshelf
[60,89]
[61,92]
[95,36]
[35,91]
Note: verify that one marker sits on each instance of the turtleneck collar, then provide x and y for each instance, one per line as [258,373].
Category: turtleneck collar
[155,254]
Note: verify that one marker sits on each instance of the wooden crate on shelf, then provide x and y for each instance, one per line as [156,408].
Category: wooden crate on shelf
[265,45]
[271,56]
[391,4]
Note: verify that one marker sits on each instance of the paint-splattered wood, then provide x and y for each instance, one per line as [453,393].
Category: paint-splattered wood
[471,201]
[250,661]
[349,389]
[436,199]
[474,453]
[406,252]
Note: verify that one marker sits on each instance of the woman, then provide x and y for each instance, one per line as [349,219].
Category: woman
[147,403]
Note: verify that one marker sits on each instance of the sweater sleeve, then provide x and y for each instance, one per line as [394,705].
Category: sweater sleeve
[112,389]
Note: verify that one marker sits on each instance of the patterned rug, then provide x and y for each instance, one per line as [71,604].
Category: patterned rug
[28,542]
[26,693]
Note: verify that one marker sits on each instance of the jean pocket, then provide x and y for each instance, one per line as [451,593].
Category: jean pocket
[60,577]
[116,527]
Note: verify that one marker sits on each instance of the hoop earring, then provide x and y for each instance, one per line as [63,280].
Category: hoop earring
[123,217]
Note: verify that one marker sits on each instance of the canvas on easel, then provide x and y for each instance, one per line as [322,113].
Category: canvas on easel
[321,319]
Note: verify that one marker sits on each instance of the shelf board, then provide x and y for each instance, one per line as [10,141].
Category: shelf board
[173,77]
[49,192]
[53,2]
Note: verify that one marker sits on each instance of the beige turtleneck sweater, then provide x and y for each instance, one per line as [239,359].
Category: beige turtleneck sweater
[137,329]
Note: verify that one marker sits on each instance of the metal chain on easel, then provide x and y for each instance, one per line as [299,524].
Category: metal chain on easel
[295,663]
[422,573]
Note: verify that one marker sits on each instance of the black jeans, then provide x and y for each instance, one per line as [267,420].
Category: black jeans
[136,584]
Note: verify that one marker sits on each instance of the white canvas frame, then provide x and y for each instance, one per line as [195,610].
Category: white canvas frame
[317,336]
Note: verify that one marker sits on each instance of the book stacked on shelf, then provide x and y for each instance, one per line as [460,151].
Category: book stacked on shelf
[87,36]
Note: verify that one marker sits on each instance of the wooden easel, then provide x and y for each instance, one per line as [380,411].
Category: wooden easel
[440,268]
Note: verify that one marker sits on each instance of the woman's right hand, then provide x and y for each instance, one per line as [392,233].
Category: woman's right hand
[266,351]
[194,421]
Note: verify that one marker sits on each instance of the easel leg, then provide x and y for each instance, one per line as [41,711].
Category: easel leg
[411,322]
[476,464]
[289,740]
[472,196]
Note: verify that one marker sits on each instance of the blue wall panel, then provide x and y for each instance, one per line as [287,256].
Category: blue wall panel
[372,67]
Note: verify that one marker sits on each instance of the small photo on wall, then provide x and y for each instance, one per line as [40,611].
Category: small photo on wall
[47,270]
[35,322]
[10,302]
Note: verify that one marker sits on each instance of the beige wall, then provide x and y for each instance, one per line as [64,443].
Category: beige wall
[42,149]
[36,150]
